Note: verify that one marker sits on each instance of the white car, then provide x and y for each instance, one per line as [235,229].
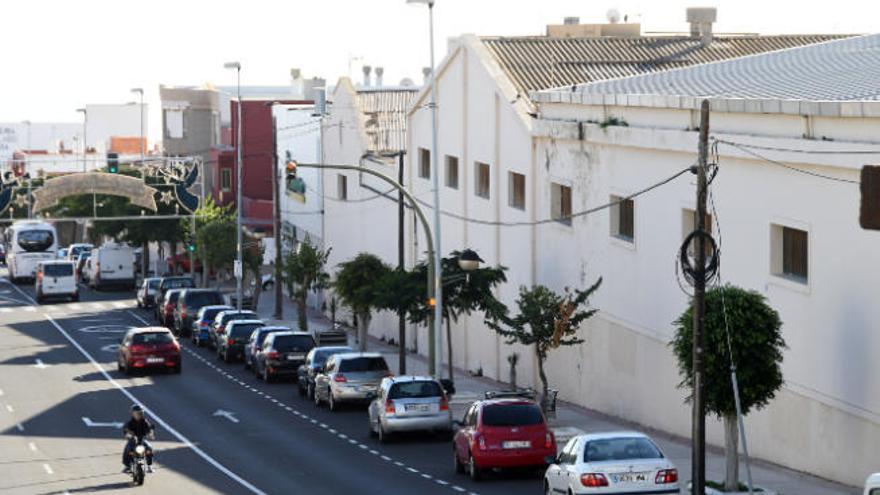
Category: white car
[872,484]
[56,279]
[615,462]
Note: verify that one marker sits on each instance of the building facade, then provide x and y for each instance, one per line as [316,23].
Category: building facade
[191,125]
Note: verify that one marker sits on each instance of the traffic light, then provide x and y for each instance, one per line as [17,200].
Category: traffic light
[291,169]
[112,162]
[190,244]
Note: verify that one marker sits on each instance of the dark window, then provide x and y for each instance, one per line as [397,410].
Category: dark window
[794,253]
[177,283]
[424,163]
[451,172]
[261,336]
[623,219]
[415,390]
[77,250]
[153,284]
[354,365]
[172,297]
[620,449]
[248,315]
[512,415]
[321,357]
[342,186]
[35,240]
[560,198]
[152,338]
[517,190]
[243,331]
[293,343]
[482,179]
[199,299]
[226,179]
[58,270]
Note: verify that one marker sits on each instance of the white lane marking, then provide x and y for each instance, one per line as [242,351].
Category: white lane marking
[5,310]
[10,408]
[97,424]
[374,451]
[48,469]
[30,308]
[352,441]
[332,430]
[399,464]
[412,470]
[385,458]
[75,306]
[226,414]
[441,482]
[40,364]
[427,476]
[363,446]
[32,446]
[120,305]
[19,427]
[97,305]
[458,488]
[158,419]
[145,322]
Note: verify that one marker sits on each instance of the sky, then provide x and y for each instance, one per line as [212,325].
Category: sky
[60,55]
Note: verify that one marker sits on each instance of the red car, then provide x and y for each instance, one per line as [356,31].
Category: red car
[165,309]
[502,433]
[148,347]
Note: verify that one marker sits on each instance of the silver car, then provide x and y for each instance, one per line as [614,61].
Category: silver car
[409,403]
[350,377]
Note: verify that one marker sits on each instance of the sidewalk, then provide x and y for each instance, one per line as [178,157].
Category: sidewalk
[572,420]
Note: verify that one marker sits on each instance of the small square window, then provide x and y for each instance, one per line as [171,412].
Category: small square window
[623,219]
[342,187]
[560,203]
[689,224]
[790,253]
[226,179]
[481,179]
[451,172]
[424,163]
[516,190]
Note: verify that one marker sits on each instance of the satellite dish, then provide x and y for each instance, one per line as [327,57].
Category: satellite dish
[613,16]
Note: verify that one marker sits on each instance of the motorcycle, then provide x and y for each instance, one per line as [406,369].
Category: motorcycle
[138,462]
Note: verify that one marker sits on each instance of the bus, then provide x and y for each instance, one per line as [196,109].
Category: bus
[27,243]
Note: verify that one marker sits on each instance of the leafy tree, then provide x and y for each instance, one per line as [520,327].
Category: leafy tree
[357,285]
[463,293]
[546,320]
[217,243]
[755,332]
[252,259]
[303,272]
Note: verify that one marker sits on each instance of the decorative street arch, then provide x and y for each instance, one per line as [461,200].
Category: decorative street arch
[126,186]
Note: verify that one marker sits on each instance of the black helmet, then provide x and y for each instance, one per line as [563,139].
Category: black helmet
[137,409]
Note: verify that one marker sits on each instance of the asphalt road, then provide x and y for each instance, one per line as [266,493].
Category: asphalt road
[219,429]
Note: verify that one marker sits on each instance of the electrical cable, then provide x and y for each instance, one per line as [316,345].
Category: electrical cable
[797,150]
[786,166]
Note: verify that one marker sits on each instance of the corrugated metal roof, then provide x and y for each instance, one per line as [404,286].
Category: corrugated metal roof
[840,70]
[384,116]
[537,63]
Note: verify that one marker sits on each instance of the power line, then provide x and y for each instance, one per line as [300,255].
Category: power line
[797,150]
[787,166]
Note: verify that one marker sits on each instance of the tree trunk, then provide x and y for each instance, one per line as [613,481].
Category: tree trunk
[302,317]
[173,246]
[258,289]
[541,374]
[145,260]
[731,450]
[448,347]
[363,325]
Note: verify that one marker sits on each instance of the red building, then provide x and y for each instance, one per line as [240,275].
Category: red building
[257,160]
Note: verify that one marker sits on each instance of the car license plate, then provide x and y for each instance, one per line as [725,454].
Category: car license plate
[155,360]
[519,444]
[630,478]
[294,358]
[417,408]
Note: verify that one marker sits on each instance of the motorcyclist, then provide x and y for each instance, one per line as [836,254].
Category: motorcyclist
[137,430]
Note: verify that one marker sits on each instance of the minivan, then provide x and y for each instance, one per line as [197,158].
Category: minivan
[56,279]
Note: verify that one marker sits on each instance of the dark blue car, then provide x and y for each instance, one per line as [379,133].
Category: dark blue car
[201,326]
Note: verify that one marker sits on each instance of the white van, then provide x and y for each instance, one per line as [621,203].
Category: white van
[112,264]
[56,279]
[872,484]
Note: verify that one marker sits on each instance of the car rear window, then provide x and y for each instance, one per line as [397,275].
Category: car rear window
[415,390]
[238,316]
[243,331]
[263,334]
[178,283]
[153,284]
[152,338]
[512,415]
[35,240]
[322,356]
[363,364]
[293,343]
[58,270]
[198,299]
[172,297]
[620,449]
[210,314]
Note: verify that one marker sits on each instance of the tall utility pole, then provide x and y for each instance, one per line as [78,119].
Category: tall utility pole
[698,449]
[401,318]
[146,247]
[276,220]
[239,269]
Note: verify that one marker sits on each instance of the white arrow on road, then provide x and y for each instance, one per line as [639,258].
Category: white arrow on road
[226,414]
[95,424]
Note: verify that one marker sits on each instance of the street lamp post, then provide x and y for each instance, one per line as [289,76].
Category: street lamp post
[85,141]
[146,246]
[27,168]
[436,365]
[238,266]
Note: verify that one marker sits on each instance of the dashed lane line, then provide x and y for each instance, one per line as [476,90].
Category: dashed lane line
[48,469]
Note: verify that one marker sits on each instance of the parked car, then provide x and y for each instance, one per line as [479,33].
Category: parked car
[223,318]
[314,363]
[74,250]
[112,265]
[230,345]
[409,403]
[148,347]
[56,279]
[81,263]
[165,311]
[169,283]
[502,433]
[188,305]
[255,343]
[335,335]
[201,326]
[872,485]
[350,378]
[615,462]
[146,294]
[282,354]
[247,301]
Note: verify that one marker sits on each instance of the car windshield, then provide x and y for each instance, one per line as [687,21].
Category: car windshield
[35,240]
[293,343]
[210,314]
[58,270]
[620,449]
[178,283]
[172,297]
[261,336]
[512,415]
[153,284]
[243,331]
[415,390]
[199,299]
[321,357]
[76,250]
[152,338]
[363,364]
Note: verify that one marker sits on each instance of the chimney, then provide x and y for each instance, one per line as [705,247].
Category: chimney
[367,69]
[701,20]
[379,72]
[426,75]
[297,85]
[571,21]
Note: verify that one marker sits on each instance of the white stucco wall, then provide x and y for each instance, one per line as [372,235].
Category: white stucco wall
[298,135]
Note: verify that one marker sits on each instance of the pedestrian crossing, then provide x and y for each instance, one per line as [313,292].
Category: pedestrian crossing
[62,307]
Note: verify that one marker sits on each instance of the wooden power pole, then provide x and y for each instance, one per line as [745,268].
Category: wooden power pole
[278,313]
[698,449]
